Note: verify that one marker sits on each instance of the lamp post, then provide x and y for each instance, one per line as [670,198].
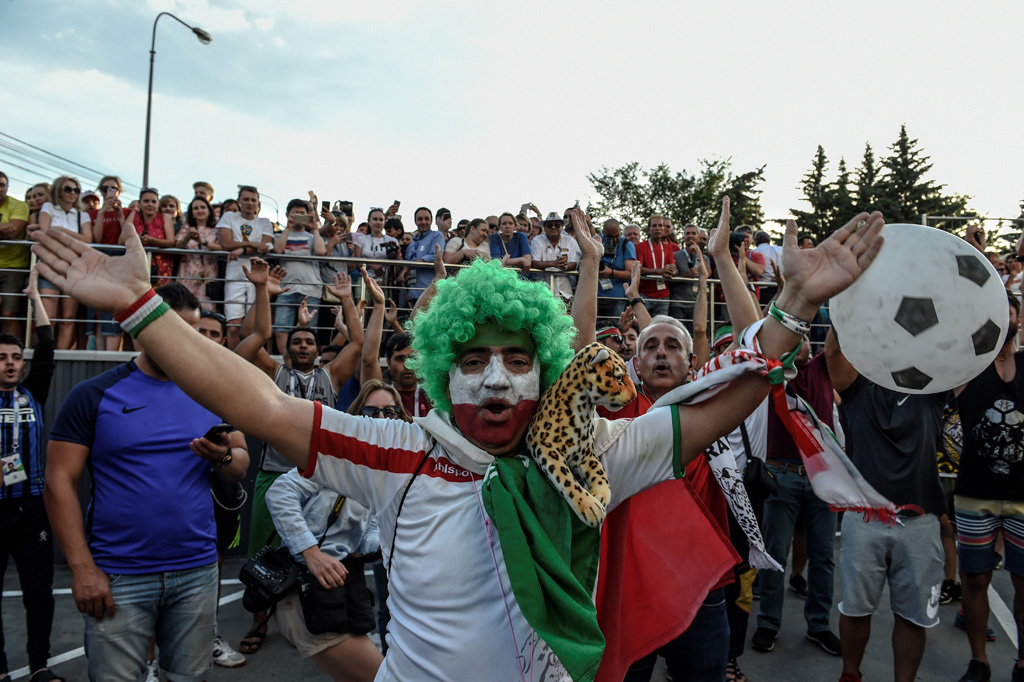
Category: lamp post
[204,38]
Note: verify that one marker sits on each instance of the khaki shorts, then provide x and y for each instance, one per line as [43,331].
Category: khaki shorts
[293,626]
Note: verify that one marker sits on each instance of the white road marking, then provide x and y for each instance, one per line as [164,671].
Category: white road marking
[998,608]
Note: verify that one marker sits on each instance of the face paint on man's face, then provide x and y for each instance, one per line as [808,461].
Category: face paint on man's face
[493,405]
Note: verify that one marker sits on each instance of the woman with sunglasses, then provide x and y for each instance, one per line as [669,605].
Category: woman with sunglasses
[301,509]
[63,210]
[156,229]
[199,233]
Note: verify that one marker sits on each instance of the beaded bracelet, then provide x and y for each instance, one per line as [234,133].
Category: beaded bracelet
[793,324]
[140,314]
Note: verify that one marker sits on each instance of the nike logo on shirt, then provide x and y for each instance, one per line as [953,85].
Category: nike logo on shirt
[900,402]
[125,410]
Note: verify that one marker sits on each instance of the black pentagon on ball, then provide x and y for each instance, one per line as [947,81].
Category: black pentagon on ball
[912,378]
[986,338]
[972,268]
[916,314]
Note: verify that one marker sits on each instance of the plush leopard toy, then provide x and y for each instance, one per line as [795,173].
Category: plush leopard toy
[560,437]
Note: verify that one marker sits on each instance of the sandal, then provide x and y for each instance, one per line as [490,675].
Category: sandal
[733,672]
[45,675]
[253,639]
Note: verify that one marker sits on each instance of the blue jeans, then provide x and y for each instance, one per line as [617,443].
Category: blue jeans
[697,655]
[780,514]
[177,607]
[656,306]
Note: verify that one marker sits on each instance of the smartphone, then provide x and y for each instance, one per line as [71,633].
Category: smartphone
[325,206]
[302,218]
[214,434]
[446,215]
[524,209]
[111,193]
[346,208]
[397,203]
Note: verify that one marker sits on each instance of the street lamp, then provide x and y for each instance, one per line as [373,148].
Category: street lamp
[204,38]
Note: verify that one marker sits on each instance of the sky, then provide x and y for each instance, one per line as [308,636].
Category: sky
[482,106]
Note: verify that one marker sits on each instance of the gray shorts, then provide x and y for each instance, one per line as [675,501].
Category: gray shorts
[910,557]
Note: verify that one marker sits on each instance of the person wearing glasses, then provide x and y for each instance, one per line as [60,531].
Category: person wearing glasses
[63,210]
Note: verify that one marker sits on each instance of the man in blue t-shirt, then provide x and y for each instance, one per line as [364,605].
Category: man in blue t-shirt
[144,563]
[616,269]
[422,249]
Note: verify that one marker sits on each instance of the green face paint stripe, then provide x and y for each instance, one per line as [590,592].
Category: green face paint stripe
[677,444]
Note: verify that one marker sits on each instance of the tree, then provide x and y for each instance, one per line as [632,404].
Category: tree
[816,222]
[904,196]
[867,181]
[843,205]
[631,194]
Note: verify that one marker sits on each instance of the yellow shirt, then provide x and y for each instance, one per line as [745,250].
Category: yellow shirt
[14,256]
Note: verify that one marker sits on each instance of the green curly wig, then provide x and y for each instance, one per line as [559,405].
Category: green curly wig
[486,292]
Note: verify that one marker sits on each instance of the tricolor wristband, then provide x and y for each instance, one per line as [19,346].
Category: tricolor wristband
[141,313]
[793,324]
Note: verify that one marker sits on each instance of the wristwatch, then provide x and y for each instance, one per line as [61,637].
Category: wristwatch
[223,461]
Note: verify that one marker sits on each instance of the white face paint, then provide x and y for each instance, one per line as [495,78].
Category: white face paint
[494,383]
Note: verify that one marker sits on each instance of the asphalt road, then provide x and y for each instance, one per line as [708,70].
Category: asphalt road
[793,660]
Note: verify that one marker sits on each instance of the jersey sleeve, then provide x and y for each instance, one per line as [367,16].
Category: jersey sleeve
[639,453]
[367,460]
[76,420]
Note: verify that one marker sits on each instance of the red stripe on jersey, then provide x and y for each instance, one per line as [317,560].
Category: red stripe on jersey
[378,457]
[314,441]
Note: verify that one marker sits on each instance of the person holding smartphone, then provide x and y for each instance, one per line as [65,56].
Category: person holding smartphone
[303,279]
[148,567]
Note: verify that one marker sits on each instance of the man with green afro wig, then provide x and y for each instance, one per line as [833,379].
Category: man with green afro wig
[487,293]
[440,487]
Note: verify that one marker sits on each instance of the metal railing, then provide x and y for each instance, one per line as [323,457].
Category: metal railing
[397,291]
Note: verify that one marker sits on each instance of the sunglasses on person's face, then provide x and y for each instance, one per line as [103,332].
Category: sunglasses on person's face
[614,337]
[389,412]
[108,188]
[73,190]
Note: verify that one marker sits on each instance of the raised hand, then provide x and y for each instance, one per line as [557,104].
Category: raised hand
[257,272]
[440,271]
[339,321]
[31,289]
[626,318]
[718,241]
[93,279]
[633,288]
[376,293]
[815,275]
[342,287]
[589,244]
[391,313]
[303,315]
[274,279]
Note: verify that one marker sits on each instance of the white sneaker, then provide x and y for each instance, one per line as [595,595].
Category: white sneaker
[224,655]
[152,672]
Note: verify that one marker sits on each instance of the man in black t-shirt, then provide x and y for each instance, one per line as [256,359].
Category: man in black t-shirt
[890,438]
[989,493]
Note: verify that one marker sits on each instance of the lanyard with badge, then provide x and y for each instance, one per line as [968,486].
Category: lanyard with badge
[309,386]
[660,285]
[14,468]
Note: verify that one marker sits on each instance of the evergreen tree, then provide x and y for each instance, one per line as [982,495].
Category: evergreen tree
[843,206]
[904,193]
[867,181]
[817,193]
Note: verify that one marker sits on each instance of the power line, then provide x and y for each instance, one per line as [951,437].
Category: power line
[98,173]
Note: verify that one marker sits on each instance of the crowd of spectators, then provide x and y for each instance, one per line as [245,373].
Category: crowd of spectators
[647,299]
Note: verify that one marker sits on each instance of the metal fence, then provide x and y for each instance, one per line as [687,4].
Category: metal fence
[323,322]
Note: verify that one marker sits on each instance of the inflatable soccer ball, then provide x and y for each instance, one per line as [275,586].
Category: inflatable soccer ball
[928,315]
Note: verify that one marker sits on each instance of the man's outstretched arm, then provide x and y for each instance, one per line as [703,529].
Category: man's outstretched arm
[210,374]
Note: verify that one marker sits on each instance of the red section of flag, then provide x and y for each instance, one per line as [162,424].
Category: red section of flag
[661,553]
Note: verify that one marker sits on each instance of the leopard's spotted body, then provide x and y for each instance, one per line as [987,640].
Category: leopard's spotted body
[560,436]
